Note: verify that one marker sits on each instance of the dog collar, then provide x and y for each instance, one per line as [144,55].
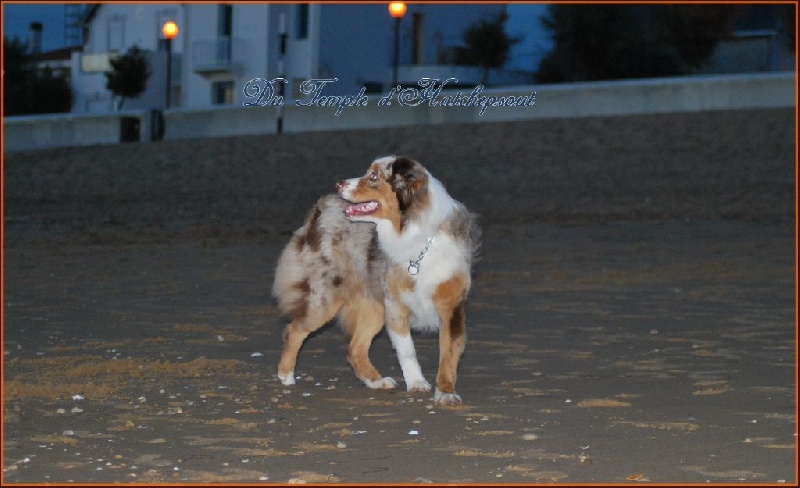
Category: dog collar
[413,265]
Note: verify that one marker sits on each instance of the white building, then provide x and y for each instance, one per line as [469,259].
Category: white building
[109,31]
[228,44]
[220,47]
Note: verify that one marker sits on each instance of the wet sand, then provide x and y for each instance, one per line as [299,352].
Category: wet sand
[631,320]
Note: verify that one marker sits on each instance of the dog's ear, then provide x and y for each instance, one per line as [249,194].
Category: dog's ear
[407,180]
[407,174]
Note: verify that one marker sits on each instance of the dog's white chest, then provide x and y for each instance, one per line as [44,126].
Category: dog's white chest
[438,265]
[429,262]
[423,312]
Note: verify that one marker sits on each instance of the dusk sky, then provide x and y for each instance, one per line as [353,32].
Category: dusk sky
[17,19]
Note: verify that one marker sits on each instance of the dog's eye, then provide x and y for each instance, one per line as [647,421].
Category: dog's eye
[373,176]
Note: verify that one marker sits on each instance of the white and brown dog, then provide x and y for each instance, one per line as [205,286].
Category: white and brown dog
[393,247]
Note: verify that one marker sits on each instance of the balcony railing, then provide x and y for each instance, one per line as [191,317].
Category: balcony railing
[218,55]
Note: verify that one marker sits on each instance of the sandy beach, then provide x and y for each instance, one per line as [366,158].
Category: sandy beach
[632,317]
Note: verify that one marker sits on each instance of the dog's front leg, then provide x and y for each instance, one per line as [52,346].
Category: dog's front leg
[400,334]
[451,344]
[449,300]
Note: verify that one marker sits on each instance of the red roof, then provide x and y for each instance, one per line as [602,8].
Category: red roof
[64,53]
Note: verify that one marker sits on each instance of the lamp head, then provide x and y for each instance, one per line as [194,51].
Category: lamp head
[397,9]
[170,29]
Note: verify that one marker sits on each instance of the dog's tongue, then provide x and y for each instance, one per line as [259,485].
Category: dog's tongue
[364,208]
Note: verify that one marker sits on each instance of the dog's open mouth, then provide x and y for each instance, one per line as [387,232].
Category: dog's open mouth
[363,208]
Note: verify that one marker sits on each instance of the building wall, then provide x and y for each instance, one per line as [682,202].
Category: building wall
[663,95]
[200,26]
[750,52]
[114,29]
[467,76]
[92,97]
[302,52]
[255,49]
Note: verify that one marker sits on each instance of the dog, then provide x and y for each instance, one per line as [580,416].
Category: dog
[394,248]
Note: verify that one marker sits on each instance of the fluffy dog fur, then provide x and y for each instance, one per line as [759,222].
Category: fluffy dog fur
[351,260]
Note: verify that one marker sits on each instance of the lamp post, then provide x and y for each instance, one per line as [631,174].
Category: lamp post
[170,30]
[397,10]
[281,67]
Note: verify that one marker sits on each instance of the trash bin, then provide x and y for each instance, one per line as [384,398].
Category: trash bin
[129,129]
[156,125]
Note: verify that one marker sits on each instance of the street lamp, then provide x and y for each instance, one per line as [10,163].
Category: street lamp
[397,10]
[170,30]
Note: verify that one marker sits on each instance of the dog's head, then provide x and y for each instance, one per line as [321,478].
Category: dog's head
[393,189]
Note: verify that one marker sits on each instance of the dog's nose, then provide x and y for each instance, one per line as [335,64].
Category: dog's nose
[340,185]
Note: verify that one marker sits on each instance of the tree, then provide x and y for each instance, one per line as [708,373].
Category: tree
[52,94]
[605,42]
[487,44]
[592,42]
[27,90]
[128,75]
[18,75]
[694,30]
[787,25]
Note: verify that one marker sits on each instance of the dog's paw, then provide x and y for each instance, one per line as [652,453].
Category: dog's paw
[446,399]
[381,384]
[287,379]
[418,385]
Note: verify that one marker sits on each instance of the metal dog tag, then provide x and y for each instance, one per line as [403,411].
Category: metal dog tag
[413,268]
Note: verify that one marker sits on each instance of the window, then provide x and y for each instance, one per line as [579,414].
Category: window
[225,20]
[302,21]
[224,31]
[222,93]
